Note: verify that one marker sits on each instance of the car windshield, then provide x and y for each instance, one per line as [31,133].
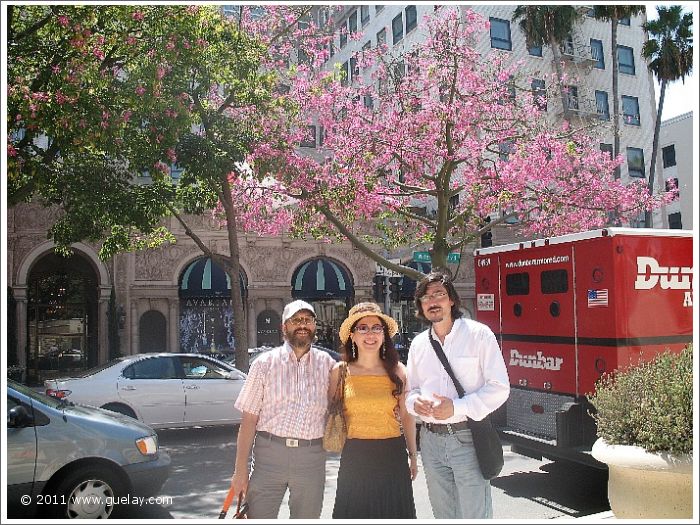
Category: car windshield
[41,398]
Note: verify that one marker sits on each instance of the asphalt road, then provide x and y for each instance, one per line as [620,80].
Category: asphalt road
[527,489]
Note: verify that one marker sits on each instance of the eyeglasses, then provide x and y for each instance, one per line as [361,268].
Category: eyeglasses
[298,321]
[432,297]
[364,329]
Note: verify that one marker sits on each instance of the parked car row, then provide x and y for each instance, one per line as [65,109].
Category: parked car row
[70,461]
[161,389]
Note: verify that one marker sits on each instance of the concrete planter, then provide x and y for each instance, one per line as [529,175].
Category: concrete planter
[647,485]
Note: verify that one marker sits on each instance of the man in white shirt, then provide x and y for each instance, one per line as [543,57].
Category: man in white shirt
[456,488]
[284,403]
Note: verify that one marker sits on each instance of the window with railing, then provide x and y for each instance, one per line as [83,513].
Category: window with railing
[597,53]
[539,93]
[601,104]
[572,98]
[630,110]
[607,148]
[567,46]
[381,37]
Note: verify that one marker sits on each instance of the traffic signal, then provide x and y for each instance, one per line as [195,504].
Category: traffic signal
[395,289]
[486,239]
[378,286]
[487,236]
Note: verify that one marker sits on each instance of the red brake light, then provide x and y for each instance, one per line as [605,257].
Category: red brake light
[60,394]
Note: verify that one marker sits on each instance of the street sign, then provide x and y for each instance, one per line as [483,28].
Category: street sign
[421,256]
[425,257]
[381,270]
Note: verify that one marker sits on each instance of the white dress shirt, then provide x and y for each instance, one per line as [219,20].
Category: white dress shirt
[476,359]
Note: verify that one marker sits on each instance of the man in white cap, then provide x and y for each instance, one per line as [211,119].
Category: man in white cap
[284,403]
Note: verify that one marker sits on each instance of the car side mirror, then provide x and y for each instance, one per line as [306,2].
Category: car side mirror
[235,375]
[18,417]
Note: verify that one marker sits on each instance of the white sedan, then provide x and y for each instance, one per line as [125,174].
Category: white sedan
[163,390]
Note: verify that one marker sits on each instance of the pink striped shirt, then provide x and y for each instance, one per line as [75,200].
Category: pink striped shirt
[289,396]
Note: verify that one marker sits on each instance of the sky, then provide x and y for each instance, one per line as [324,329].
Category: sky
[681,97]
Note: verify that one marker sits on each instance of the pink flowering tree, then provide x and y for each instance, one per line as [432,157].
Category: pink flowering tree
[419,149]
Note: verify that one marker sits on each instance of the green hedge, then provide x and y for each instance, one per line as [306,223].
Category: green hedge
[649,405]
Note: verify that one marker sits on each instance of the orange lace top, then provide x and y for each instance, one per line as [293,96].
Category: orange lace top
[370,408]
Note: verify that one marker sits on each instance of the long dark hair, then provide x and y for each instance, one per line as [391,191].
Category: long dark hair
[390,361]
[444,279]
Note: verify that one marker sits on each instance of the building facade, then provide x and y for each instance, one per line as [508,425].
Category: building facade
[675,167]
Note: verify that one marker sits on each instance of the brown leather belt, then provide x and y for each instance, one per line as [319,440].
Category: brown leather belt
[446,428]
[290,442]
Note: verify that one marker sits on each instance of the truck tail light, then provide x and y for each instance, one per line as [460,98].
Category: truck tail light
[60,394]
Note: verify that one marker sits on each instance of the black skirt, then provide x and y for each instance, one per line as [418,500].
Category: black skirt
[374,480]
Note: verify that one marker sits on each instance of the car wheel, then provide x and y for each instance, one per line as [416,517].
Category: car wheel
[86,493]
[120,409]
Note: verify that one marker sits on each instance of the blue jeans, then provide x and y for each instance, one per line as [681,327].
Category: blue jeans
[456,488]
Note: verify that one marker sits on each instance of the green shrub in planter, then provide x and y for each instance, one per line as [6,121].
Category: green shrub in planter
[649,405]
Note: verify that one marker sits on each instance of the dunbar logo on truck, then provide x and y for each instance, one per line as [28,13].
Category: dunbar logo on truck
[651,274]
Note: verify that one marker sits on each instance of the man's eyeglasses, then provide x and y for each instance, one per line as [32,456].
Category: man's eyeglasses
[364,329]
[299,321]
[432,297]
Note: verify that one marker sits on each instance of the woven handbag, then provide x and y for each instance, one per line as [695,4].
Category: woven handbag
[336,430]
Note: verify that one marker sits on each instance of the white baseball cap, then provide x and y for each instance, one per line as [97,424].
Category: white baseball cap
[293,307]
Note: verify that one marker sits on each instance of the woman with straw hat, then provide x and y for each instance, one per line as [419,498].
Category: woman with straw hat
[378,462]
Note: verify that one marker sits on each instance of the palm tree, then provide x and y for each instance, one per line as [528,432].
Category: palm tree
[549,25]
[614,13]
[669,52]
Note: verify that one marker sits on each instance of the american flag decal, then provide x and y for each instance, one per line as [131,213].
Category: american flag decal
[597,298]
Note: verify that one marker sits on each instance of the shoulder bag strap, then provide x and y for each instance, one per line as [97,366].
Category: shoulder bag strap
[340,387]
[443,359]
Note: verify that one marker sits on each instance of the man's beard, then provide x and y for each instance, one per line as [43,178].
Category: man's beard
[300,340]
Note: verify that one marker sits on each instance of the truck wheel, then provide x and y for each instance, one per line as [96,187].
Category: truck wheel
[86,493]
[120,409]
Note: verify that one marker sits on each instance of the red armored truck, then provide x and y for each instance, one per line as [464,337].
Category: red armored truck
[567,309]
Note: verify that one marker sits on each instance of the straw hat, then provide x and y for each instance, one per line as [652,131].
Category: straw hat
[361,310]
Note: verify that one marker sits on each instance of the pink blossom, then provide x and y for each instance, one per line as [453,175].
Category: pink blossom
[63,20]
[138,15]
[131,40]
[140,90]
[171,155]
[11,150]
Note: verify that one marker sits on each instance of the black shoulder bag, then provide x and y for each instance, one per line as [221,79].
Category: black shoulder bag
[489,451]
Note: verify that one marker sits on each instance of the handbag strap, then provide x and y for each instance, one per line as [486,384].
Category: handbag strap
[340,387]
[443,359]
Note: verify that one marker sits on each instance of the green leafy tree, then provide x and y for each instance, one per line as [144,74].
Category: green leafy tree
[549,25]
[669,52]
[103,98]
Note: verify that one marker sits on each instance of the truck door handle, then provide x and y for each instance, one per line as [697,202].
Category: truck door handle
[192,387]
[128,388]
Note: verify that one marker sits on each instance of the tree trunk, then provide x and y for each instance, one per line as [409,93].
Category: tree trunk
[655,150]
[560,75]
[240,332]
[616,95]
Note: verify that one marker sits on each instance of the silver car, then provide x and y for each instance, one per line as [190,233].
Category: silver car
[71,461]
[163,390]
